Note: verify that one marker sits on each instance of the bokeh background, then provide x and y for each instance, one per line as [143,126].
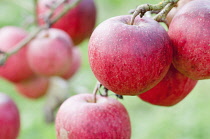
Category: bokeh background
[190,119]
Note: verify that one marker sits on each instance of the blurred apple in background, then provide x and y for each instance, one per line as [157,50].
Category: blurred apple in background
[16,68]
[78,22]
[9,118]
[34,87]
[50,53]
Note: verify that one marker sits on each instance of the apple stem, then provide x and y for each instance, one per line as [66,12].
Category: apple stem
[96,89]
[142,9]
[5,55]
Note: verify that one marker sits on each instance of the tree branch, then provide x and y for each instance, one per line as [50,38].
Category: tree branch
[66,9]
[5,55]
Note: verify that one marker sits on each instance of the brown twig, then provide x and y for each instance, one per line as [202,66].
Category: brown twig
[142,9]
[160,17]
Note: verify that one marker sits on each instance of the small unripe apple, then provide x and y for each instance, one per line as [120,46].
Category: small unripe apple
[76,63]
[190,32]
[34,87]
[50,53]
[80,118]
[16,68]
[9,118]
[171,90]
[129,59]
[78,22]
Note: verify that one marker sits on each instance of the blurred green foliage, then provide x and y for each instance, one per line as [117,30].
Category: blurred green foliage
[187,120]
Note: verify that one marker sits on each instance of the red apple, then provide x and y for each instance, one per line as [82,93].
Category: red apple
[34,87]
[190,33]
[50,53]
[174,10]
[80,118]
[9,118]
[78,22]
[16,67]
[76,63]
[172,89]
[129,59]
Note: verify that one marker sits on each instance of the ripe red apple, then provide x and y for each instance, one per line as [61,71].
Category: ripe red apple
[172,89]
[129,59]
[16,67]
[76,63]
[9,118]
[80,118]
[174,10]
[190,33]
[78,22]
[50,53]
[34,87]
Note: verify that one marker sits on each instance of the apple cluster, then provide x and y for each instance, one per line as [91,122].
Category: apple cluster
[140,59]
[53,52]
[144,59]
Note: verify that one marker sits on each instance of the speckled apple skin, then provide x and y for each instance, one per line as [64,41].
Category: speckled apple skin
[80,118]
[33,88]
[174,10]
[129,59]
[9,118]
[16,68]
[190,33]
[50,53]
[171,90]
[78,22]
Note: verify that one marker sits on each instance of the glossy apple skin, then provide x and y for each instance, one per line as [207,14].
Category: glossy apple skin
[76,63]
[174,10]
[171,90]
[50,54]
[16,67]
[9,118]
[33,88]
[129,59]
[78,22]
[190,33]
[80,118]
